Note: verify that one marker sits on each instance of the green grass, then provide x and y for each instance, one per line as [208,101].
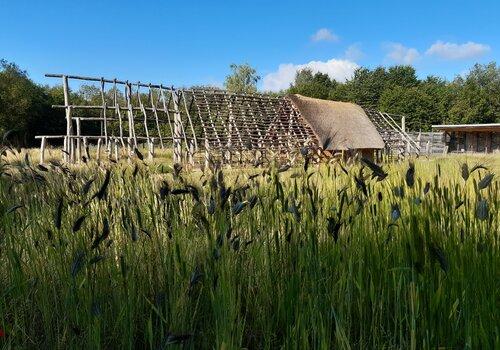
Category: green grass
[274,275]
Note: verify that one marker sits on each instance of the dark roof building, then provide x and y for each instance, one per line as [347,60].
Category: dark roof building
[471,137]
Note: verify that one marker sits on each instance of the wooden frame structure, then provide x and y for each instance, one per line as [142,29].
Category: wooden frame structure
[211,122]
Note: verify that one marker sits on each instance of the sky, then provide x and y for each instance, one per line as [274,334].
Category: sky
[184,43]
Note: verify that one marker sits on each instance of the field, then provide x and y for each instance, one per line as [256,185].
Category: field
[347,256]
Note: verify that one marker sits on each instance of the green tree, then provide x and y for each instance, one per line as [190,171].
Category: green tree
[365,88]
[25,107]
[243,79]
[411,102]
[318,85]
[477,96]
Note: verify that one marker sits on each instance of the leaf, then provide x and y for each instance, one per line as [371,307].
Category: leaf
[77,263]
[438,254]
[138,154]
[485,181]
[238,207]
[103,236]
[377,170]
[172,339]
[102,191]
[410,175]
[95,259]
[427,187]
[87,185]
[465,171]
[13,208]
[58,214]
[164,190]
[395,212]
[482,209]
[477,167]
[284,168]
[333,228]
[78,223]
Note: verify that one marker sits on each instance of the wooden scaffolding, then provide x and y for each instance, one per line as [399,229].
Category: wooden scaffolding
[196,124]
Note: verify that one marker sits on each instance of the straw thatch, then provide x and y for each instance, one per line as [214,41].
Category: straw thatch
[338,125]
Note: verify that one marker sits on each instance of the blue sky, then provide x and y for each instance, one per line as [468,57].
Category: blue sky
[189,42]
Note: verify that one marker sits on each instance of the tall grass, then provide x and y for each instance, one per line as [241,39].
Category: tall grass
[324,258]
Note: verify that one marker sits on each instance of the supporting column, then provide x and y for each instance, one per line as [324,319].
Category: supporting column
[69,128]
[191,152]
[177,129]
[207,153]
[78,140]
[42,150]
[98,154]
[116,149]
[86,148]
[151,148]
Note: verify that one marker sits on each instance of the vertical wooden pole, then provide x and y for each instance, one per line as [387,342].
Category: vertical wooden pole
[229,152]
[86,147]
[191,152]
[177,128]
[151,148]
[65,148]
[98,154]
[69,127]
[42,150]
[207,153]
[130,114]
[403,123]
[104,116]
[78,140]
[116,149]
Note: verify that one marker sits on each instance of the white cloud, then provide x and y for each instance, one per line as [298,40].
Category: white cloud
[337,69]
[354,52]
[452,51]
[324,34]
[400,54]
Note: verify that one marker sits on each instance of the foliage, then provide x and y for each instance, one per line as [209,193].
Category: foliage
[397,90]
[126,256]
[243,79]
[25,107]
[316,85]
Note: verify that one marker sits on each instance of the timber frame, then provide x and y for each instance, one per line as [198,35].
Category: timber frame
[197,124]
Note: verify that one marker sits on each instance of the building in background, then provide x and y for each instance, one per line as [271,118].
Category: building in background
[471,137]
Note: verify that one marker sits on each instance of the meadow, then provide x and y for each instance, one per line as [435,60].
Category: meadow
[346,255]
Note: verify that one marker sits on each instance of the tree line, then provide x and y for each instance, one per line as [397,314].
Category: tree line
[25,107]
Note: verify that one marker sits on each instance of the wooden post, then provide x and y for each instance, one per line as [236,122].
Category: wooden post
[42,150]
[207,153]
[67,148]
[116,149]
[78,140]
[130,114]
[86,147]
[151,148]
[177,129]
[98,151]
[191,152]
[403,123]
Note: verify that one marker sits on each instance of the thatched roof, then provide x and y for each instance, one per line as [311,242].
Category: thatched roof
[340,125]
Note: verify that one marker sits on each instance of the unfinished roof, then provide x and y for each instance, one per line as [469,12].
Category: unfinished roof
[339,125]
